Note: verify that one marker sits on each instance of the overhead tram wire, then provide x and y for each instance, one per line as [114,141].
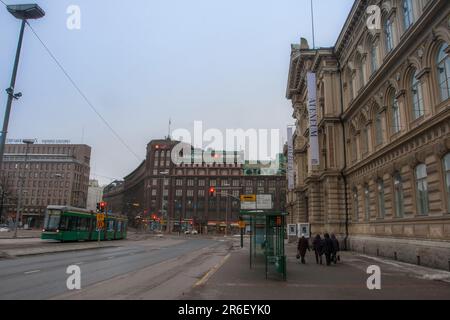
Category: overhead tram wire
[77,88]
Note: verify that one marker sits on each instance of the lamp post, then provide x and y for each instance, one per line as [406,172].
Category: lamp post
[28,142]
[21,12]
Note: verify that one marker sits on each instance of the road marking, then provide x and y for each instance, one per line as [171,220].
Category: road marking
[34,271]
[110,258]
[212,271]
[79,263]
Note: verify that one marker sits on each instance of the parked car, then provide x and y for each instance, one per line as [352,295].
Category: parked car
[187,232]
[194,232]
[4,228]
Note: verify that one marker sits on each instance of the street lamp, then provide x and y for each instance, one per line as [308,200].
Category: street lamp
[28,142]
[22,12]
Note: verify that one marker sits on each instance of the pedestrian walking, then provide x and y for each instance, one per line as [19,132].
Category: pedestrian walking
[327,248]
[302,247]
[336,249]
[318,248]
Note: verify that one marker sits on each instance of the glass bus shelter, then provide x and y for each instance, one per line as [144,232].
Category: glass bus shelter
[267,235]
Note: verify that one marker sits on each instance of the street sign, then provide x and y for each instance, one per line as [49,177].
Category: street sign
[242,224]
[248,205]
[264,201]
[100,221]
[248,198]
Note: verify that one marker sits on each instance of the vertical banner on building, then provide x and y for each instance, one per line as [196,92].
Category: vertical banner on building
[313,129]
[290,169]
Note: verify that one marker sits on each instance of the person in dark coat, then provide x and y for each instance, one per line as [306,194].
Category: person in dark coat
[318,248]
[335,257]
[327,248]
[303,245]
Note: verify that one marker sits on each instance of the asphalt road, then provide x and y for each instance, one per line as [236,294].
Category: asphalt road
[44,276]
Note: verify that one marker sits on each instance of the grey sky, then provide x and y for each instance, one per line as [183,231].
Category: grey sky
[224,62]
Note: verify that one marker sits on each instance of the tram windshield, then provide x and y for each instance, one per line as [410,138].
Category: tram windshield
[52,219]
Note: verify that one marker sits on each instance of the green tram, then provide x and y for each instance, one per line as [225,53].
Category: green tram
[73,224]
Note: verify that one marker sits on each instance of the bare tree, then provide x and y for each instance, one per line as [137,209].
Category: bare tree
[7,197]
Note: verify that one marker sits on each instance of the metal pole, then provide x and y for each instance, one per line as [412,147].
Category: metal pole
[11,94]
[312,23]
[19,200]
[226,217]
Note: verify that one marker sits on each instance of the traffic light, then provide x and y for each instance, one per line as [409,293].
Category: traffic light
[101,206]
[212,192]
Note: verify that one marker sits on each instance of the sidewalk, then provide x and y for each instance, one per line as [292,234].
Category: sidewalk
[234,280]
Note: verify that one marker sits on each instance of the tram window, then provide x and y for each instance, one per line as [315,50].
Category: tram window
[83,224]
[111,225]
[64,225]
[119,226]
[72,225]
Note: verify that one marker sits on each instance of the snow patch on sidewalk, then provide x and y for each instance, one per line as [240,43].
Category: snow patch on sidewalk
[419,272]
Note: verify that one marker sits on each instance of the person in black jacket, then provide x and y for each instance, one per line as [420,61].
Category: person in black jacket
[302,246]
[318,248]
[327,248]
[335,256]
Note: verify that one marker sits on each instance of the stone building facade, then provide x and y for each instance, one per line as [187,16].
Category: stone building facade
[180,193]
[383,182]
[56,174]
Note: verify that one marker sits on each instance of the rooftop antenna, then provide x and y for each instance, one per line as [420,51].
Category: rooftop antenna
[312,24]
[170,124]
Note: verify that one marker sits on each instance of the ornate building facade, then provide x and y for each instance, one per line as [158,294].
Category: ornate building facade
[383,106]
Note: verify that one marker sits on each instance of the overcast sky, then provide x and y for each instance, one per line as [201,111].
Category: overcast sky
[224,62]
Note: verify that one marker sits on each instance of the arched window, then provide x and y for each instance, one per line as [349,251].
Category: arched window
[350,85]
[373,57]
[443,66]
[395,111]
[417,97]
[356,203]
[367,202]
[408,13]
[381,202]
[389,34]
[360,71]
[399,195]
[422,189]
[365,140]
[447,179]
[354,147]
[378,128]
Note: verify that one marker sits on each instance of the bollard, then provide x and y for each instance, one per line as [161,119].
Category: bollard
[395,256]
[418,260]
[378,252]
[364,250]
[448,264]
